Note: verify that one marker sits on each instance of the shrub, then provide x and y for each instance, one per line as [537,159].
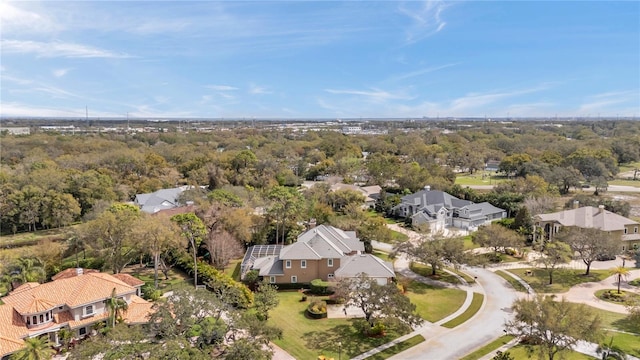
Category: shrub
[319,287]
[149,293]
[377,329]
[613,295]
[510,252]
[317,309]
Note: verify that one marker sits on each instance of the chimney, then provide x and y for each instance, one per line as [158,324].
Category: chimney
[427,187]
[576,204]
[79,271]
[600,209]
[311,224]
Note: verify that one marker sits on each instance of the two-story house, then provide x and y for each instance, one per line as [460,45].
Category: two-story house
[589,217]
[440,210]
[323,252]
[74,300]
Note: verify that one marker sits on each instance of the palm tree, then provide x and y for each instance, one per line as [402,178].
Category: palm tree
[37,348]
[620,272]
[31,270]
[117,307]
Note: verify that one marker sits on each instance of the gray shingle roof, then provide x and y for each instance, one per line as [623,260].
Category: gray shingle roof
[351,266]
[588,217]
[162,199]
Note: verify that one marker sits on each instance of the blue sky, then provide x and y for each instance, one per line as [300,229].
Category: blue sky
[307,59]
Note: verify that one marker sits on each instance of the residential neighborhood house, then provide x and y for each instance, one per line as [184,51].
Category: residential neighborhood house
[440,210]
[591,218]
[75,300]
[163,199]
[323,252]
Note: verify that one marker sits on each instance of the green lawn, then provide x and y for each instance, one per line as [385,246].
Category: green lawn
[425,270]
[494,345]
[469,244]
[563,279]
[434,303]
[35,236]
[382,255]
[629,343]
[177,279]
[633,183]
[477,179]
[305,338]
[397,348]
[466,277]
[520,352]
[398,236]
[476,303]
[514,283]
[233,269]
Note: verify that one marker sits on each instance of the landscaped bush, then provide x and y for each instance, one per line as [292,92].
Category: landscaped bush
[612,295]
[217,280]
[635,282]
[149,293]
[317,309]
[510,252]
[319,287]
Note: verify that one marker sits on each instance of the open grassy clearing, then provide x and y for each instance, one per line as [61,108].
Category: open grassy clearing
[426,271]
[433,303]
[629,167]
[397,348]
[615,322]
[479,179]
[513,282]
[495,344]
[398,236]
[306,338]
[30,238]
[382,255]
[475,306]
[233,269]
[177,279]
[563,279]
[520,352]
[634,183]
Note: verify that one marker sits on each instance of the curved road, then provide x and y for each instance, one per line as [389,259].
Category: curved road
[485,326]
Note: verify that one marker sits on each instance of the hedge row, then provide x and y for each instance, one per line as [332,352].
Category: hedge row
[215,279]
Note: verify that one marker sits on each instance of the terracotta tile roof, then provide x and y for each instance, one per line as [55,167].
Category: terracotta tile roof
[128,279]
[139,311]
[23,287]
[11,324]
[9,346]
[71,272]
[39,305]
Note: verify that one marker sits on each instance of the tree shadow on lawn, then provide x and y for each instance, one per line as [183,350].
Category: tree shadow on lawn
[353,343]
[626,324]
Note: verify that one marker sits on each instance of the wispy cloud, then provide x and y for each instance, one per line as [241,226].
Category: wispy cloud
[60,72]
[603,102]
[422,72]
[373,94]
[426,18]
[18,20]
[477,100]
[221,87]
[258,90]
[58,49]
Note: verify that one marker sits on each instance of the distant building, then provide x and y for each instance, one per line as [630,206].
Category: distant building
[440,210]
[589,217]
[16,130]
[164,199]
[350,130]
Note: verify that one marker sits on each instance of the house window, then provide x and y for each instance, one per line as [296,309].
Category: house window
[635,230]
[82,331]
[35,319]
[272,279]
[28,321]
[294,279]
[287,264]
[625,230]
[47,316]
[330,262]
[303,264]
[88,310]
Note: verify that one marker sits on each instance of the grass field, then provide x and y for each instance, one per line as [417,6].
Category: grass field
[35,236]
[233,269]
[513,282]
[305,338]
[434,303]
[478,179]
[177,279]
[633,183]
[476,303]
[399,347]
[398,236]
[495,344]
[425,270]
[520,352]
[563,279]
[468,243]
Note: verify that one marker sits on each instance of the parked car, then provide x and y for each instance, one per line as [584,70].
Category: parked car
[605,257]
